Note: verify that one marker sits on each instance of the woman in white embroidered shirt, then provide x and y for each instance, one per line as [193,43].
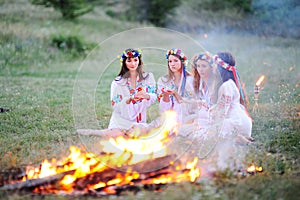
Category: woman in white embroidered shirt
[132,92]
[175,86]
[205,82]
[231,109]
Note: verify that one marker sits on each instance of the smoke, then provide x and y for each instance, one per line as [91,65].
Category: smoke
[215,151]
[267,18]
[277,17]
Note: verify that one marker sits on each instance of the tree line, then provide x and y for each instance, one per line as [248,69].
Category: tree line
[152,11]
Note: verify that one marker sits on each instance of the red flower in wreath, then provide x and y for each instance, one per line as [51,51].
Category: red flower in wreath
[129,54]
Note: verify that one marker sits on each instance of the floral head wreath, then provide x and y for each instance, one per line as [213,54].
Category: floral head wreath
[206,56]
[183,58]
[131,53]
[179,53]
[233,69]
[222,63]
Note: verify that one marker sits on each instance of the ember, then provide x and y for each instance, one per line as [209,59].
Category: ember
[252,169]
[124,163]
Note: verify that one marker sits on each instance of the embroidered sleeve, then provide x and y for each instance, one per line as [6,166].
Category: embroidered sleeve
[116,94]
[225,98]
[116,99]
[150,88]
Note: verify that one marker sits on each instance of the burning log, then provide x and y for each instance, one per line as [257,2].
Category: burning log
[108,181]
[124,163]
[115,184]
[143,169]
[32,183]
[149,165]
[8,176]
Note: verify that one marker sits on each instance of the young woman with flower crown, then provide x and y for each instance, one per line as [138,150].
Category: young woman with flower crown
[230,109]
[205,84]
[175,86]
[132,92]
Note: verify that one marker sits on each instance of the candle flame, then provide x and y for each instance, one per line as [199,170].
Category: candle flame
[260,80]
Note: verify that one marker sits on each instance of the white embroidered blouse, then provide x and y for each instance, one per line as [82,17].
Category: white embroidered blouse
[125,115]
[229,109]
[183,110]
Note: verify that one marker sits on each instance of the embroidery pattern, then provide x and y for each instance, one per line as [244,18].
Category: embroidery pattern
[116,99]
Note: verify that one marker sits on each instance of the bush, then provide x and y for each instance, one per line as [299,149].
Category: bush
[158,10]
[111,13]
[153,11]
[71,44]
[70,9]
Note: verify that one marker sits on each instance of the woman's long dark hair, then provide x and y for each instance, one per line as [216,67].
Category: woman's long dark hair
[229,59]
[124,70]
[226,74]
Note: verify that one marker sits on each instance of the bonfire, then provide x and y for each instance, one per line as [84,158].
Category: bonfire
[123,163]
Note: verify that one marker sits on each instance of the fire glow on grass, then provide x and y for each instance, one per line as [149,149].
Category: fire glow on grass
[117,165]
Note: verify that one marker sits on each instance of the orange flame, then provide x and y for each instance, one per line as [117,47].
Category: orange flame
[253,168]
[137,149]
[260,80]
[119,152]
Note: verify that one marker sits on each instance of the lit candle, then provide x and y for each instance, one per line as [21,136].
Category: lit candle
[256,91]
[260,80]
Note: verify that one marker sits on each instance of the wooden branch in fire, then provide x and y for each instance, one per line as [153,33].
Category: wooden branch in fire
[31,183]
[147,169]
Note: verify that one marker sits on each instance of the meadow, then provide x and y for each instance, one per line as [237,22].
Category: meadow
[51,91]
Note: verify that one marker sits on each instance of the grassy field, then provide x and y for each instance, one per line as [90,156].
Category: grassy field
[50,92]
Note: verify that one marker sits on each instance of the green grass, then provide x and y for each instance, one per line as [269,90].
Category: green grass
[37,84]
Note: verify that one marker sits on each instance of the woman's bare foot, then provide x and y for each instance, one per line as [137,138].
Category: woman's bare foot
[244,140]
